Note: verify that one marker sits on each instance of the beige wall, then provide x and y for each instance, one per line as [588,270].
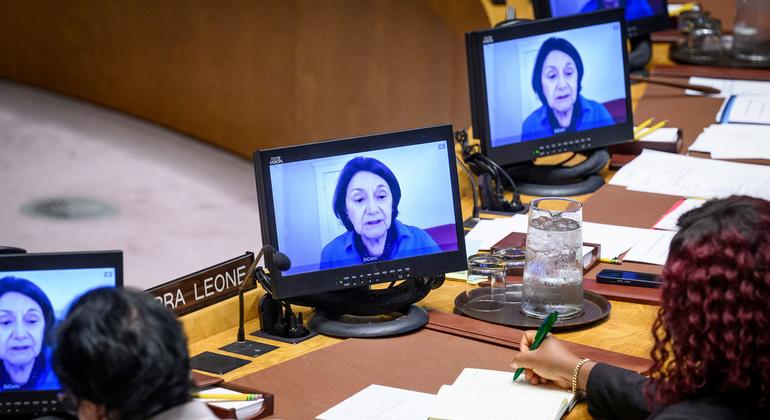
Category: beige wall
[251,74]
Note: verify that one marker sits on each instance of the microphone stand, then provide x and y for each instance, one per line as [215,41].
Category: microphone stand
[249,276]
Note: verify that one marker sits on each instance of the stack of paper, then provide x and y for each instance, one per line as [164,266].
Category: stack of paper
[233,409]
[490,394]
[685,176]
[735,141]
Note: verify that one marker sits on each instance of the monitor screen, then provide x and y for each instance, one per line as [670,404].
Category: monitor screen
[360,211]
[550,86]
[642,16]
[36,291]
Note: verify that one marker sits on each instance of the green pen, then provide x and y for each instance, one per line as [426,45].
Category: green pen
[545,327]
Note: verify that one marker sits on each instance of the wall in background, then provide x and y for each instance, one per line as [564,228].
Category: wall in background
[246,75]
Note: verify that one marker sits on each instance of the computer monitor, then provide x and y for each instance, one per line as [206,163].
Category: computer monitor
[549,86]
[642,16]
[36,291]
[359,211]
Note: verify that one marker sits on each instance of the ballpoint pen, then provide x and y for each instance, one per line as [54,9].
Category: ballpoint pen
[233,397]
[545,327]
[650,130]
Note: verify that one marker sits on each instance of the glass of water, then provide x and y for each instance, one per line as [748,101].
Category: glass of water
[751,31]
[553,273]
[491,268]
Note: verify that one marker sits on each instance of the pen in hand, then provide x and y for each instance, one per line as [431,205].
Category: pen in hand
[545,327]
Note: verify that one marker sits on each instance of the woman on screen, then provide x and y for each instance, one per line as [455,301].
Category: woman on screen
[556,80]
[366,202]
[26,320]
[711,356]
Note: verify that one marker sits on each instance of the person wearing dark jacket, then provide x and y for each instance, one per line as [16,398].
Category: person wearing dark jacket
[711,353]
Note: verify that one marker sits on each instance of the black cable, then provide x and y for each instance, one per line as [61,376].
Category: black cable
[474,186]
[516,200]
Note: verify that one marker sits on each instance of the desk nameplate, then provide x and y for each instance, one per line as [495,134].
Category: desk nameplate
[205,287]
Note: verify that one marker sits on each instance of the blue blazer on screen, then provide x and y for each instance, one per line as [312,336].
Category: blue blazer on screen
[592,114]
[410,241]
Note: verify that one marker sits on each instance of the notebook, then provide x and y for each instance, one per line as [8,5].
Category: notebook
[481,394]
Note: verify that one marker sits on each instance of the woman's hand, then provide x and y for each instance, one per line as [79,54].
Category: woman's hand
[551,362]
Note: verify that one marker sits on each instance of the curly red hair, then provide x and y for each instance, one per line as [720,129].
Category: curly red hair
[712,333]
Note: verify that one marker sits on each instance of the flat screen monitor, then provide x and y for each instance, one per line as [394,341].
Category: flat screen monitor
[36,291]
[359,211]
[550,86]
[642,16]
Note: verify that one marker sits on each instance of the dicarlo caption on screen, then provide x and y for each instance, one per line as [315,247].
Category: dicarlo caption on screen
[204,287]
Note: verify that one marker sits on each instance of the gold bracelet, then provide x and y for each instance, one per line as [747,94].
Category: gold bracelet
[575,373]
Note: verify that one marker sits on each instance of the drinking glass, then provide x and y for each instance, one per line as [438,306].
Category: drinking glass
[553,273]
[491,268]
[751,31]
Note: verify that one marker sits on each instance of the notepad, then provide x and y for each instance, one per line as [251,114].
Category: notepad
[492,394]
[232,409]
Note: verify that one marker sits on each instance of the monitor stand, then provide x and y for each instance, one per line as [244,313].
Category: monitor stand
[357,326]
[561,181]
[363,312]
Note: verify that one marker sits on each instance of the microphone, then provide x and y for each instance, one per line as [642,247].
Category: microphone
[274,258]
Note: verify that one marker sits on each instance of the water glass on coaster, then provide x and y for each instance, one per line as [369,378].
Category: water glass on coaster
[553,270]
[487,267]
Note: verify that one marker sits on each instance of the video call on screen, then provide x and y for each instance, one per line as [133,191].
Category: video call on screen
[26,332]
[586,82]
[314,238]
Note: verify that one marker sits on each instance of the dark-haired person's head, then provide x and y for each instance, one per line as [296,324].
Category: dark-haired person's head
[122,355]
[713,331]
[558,74]
[366,197]
[26,321]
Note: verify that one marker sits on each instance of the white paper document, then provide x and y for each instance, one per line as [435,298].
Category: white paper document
[685,176]
[730,87]
[378,402]
[734,141]
[491,395]
[669,220]
[747,109]
[651,247]
[486,233]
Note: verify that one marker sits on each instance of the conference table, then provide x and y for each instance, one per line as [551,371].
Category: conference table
[627,329]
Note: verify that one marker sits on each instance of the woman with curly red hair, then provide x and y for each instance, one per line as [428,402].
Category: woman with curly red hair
[711,357]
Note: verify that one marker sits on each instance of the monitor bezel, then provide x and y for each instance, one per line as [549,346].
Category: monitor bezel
[321,281]
[634,28]
[53,261]
[527,151]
